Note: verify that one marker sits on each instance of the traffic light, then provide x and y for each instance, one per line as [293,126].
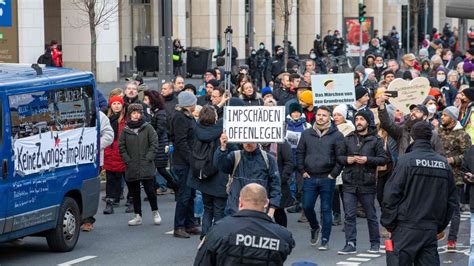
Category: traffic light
[362,12]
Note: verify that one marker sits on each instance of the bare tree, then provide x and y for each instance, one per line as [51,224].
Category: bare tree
[97,13]
[286,9]
[416,6]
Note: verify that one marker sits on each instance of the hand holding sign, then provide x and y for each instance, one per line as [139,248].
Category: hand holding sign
[409,93]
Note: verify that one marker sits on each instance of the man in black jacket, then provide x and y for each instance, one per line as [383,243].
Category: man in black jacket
[362,152]
[182,135]
[249,237]
[317,153]
[419,200]
[167,91]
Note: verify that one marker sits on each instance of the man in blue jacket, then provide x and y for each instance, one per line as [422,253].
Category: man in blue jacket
[250,165]
[316,155]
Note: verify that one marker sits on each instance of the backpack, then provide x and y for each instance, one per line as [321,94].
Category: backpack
[202,157]
[237,157]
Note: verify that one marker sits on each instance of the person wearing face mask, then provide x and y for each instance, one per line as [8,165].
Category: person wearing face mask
[447,89]
[401,134]
[379,67]
[263,60]
[277,64]
[433,116]
[252,62]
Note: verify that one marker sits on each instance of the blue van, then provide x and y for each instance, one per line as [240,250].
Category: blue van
[49,153]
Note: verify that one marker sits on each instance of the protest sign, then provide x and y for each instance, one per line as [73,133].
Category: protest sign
[333,89]
[262,124]
[55,149]
[409,93]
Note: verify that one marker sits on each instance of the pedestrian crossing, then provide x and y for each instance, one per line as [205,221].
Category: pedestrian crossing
[361,258]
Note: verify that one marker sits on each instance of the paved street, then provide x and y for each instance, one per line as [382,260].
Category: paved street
[113,242]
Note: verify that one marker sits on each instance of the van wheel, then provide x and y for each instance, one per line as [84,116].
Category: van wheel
[64,237]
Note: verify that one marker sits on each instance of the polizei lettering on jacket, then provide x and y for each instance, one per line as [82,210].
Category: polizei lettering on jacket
[48,150]
[254,123]
[430,163]
[257,242]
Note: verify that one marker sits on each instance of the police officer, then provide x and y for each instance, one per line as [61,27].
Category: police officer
[248,237]
[419,200]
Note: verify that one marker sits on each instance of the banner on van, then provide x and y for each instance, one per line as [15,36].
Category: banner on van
[262,124]
[55,149]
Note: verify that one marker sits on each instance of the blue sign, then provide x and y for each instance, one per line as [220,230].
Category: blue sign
[5,13]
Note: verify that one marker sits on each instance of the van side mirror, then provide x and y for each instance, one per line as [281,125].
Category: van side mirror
[4,168]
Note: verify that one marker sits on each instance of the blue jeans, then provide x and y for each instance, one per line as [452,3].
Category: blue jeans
[350,208]
[184,212]
[312,188]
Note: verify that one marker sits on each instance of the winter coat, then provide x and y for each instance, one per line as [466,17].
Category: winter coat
[106,135]
[46,59]
[182,136]
[286,168]
[57,57]
[170,108]
[455,143]
[113,161]
[251,169]
[138,152]
[468,163]
[352,111]
[318,155]
[158,121]
[215,185]
[284,96]
[467,121]
[146,108]
[448,90]
[275,68]
[204,100]
[295,127]
[253,100]
[361,177]
[401,134]
[379,70]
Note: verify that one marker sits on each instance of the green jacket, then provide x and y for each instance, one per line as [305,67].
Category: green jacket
[138,152]
[455,143]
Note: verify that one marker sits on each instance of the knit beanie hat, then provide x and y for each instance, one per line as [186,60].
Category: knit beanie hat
[213,82]
[265,91]
[341,109]
[307,97]
[135,107]
[190,86]
[468,67]
[116,98]
[452,111]
[365,114]
[469,93]
[295,107]
[186,99]
[421,130]
[360,92]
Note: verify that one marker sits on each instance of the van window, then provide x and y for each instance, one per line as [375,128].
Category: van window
[54,110]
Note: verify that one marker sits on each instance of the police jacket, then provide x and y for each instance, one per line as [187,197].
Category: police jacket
[361,177]
[317,155]
[246,238]
[421,192]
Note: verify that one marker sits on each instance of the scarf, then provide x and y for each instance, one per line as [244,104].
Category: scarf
[467,115]
[321,130]
[135,124]
[114,122]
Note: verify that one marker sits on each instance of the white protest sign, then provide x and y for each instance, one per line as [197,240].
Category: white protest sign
[409,93]
[333,89]
[55,149]
[262,124]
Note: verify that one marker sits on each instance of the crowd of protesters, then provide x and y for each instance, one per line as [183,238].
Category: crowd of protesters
[344,154]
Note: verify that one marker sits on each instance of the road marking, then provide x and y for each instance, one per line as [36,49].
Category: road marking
[71,262]
[358,259]
[366,255]
[347,263]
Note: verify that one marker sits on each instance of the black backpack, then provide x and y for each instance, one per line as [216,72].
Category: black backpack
[202,157]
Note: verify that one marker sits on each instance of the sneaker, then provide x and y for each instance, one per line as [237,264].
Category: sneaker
[302,218]
[162,191]
[135,221]
[315,236]
[87,227]
[193,231]
[374,248]
[156,217]
[350,248]
[451,246]
[109,208]
[324,245]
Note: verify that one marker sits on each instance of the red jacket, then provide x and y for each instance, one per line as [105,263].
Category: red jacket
[112,159]
[57,57]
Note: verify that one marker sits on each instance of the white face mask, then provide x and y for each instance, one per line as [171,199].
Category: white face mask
[262,47]
[379,65]
[312,56]
[431,108]
[440,78]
